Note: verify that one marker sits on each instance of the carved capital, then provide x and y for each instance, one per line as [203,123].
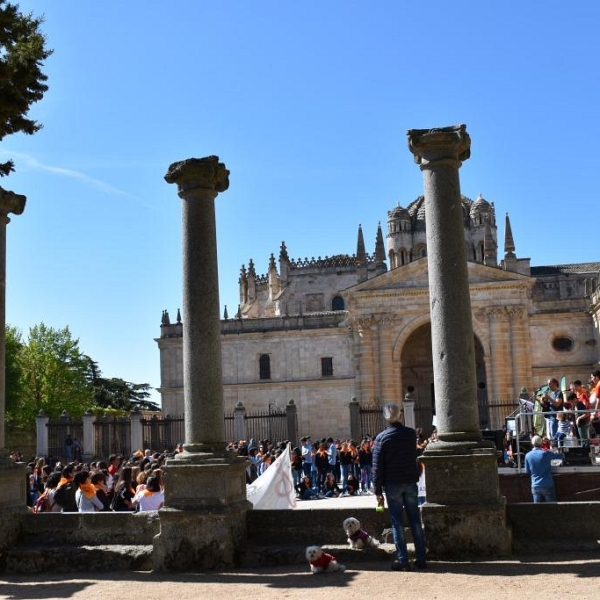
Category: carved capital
[199,173]
[495,313]
[439,146]
[515,312]
[11,202]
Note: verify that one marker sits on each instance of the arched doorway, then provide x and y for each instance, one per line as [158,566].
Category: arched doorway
[417,377]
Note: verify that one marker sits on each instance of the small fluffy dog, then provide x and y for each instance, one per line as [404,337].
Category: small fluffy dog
[357,536]
[321,562]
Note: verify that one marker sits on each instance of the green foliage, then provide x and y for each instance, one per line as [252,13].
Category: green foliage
[49,372]
[120,394]
[53,375]
[13,370]
[22,52]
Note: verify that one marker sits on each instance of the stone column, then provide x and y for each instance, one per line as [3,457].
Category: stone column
[13,490]
[409,410]
[291,415]
[239,425]
[199,181]
[41,426]
[355,426]
[439,153]
[203,523]
[466,512]
[137,431]
[88,450]
[9,203]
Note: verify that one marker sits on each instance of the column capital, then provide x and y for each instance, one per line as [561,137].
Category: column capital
[439,146]
[11,202]
[199,174]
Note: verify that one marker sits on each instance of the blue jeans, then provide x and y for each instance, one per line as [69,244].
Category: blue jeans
[344,470]
[400,498]
[543,494]
[365,477]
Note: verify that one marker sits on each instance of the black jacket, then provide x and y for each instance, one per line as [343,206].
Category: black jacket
[395,457]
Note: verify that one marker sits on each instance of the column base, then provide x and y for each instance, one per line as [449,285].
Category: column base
[468,477]
[205,480]
[458,532]
[13,484]
[203,523]
[196,540]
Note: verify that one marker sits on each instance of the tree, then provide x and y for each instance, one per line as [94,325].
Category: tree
[53,375]
[13,371]
[118,393]
[22,52]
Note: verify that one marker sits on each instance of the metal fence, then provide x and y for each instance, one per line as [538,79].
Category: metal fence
[267,425]
[112,435]
[163,433]
[65,438]
[371,420]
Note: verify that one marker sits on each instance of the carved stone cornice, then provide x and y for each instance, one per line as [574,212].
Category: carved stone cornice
[500,313]
[199,173]
[439,146]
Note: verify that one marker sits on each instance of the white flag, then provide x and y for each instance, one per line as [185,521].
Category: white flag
[274,489]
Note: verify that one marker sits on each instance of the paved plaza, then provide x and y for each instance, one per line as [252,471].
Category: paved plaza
[525,578]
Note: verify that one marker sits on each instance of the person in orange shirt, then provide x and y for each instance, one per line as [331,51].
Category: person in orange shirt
[595,399]
[582,419]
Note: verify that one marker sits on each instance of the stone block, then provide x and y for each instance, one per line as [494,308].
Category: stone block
[458,532]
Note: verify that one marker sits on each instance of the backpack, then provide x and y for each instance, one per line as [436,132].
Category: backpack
[65,497]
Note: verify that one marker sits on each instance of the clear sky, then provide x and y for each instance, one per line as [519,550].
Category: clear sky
[307,104]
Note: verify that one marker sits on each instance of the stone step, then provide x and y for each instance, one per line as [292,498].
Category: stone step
[27,558]
[255,555]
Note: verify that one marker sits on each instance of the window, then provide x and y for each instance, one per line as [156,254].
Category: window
[337,303]
[562,344]
[264,366]
[327,366]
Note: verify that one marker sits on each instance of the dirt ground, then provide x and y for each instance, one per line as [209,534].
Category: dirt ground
[563,576]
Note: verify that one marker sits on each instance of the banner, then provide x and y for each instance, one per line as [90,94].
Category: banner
[274,489]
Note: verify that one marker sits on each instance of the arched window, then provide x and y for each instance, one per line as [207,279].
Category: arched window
[264,366]
[337,303]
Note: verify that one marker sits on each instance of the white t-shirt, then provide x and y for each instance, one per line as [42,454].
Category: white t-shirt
[151,501]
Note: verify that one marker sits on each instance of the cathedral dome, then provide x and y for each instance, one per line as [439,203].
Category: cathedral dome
[398,214]
[481,207]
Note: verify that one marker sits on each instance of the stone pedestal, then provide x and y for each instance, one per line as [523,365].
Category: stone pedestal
[13,501]
[464,515]
[203,524]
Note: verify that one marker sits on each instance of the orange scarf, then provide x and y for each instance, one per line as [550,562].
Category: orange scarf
[88,490]
[149,493]
[63,481]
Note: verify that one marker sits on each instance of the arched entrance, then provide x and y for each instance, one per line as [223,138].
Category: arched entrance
[417,377]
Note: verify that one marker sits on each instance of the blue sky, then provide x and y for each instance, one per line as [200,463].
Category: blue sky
[308,105]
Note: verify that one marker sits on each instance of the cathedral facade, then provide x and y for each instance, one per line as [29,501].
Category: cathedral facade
[323,331]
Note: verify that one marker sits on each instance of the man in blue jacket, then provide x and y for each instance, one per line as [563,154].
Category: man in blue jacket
[396,472]
[538,463]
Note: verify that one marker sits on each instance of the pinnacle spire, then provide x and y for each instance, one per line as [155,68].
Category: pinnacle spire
[361,254]
[509,242]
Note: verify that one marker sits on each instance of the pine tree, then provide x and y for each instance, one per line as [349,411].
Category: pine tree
[22,52]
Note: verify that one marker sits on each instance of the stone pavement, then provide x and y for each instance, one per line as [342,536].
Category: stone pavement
[347,502]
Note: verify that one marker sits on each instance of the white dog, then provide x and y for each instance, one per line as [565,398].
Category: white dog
[357,536]
[321,562]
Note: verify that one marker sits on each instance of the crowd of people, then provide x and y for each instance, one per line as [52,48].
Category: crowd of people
[560,419]
[326,468]
[115,484]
